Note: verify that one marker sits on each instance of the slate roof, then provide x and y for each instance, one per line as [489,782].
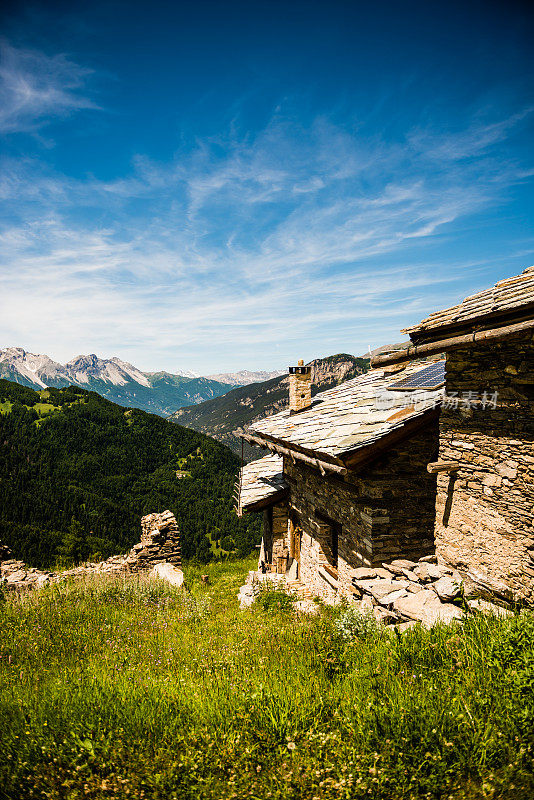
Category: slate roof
[261,480]
[353,415]
[505,297]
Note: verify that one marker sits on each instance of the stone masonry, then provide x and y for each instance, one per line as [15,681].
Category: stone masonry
[160,543]
[385,511]
[484,522]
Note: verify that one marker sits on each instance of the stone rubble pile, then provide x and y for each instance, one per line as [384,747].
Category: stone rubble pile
[400,593]
[160,542]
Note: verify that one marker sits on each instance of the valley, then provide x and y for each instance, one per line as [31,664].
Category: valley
[224,418]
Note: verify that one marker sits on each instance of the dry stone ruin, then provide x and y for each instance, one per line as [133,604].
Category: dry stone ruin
[160,544]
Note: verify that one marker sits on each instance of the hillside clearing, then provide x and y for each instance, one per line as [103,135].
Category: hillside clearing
[128,689]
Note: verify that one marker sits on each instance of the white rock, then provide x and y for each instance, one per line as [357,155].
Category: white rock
[447,588]
[363,573]
[168,572]
[392,596]
[426,607]
[383,588]
[486,607]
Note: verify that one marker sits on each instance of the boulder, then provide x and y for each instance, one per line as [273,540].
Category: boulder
[363,573]
[382,588]
[432,559]
[427,608]
[366,586]
[405,626]
[382,572]
[392,596]
[408,573]
[385,616]
[427,572]
[447,588]
[16,577]
[168,572]
[485,607]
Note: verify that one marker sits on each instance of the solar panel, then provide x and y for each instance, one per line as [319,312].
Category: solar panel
[431,377]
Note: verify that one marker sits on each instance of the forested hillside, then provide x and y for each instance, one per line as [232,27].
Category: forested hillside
[225,417]
[77,472]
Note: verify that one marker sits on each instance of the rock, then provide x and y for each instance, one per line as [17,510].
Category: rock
[16,577]
[383,615]
[426,607]
[365,605]
[392,596]
[432,559]
[410,575]
[306,606]
[363,573]
[168,572]
[447,588]
[427,572]
[382,588]
[405,626]
[246,597]
[485,607]
[365,586]
[382,572]
[400,563]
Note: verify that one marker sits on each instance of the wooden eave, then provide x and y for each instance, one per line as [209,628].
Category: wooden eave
[495,320]
[272,500]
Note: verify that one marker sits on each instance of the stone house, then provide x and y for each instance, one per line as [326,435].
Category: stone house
[346,484]
[485,468]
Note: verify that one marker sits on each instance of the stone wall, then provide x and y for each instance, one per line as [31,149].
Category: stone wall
[159,543]
[385,511]
[484,513]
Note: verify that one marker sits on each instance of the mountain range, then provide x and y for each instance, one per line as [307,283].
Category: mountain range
[225,417]
[158,392]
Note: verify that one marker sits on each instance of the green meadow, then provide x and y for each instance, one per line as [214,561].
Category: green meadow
[126,688]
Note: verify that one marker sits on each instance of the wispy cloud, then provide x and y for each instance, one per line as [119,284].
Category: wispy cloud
[34,88]
[244,249]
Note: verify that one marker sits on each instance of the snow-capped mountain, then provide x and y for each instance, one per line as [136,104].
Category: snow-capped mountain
[245,377]
[84,369]
[117,380]
[36,370]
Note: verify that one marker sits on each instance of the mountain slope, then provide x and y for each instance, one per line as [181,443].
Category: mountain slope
[225,417]
[117,380]
[77,472]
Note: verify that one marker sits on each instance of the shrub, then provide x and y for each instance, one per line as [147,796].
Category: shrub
[275,600]
[352,624]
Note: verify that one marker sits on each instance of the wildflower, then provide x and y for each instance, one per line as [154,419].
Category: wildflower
[291,745]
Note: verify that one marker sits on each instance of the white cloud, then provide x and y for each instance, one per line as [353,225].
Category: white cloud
[243,250]
[35,87]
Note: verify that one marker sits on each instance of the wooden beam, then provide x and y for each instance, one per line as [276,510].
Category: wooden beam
[441,345]
[443,466]
[274,447]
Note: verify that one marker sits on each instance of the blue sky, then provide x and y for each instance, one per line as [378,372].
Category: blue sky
[215,186]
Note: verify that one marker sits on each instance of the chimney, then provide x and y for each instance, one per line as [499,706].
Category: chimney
[299,388]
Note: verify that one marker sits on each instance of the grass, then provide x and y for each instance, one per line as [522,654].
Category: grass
[130,689]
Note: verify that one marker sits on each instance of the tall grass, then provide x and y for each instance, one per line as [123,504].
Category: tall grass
[129,689]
